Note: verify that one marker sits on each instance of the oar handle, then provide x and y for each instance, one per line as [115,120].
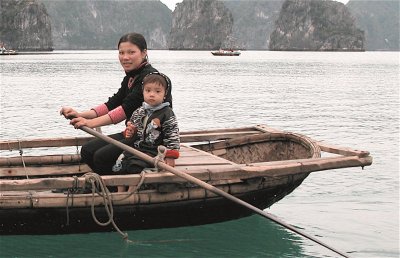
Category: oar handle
[204,185]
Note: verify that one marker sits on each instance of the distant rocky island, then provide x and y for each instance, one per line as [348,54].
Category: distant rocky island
[25,25]
[200,25]
[314,25]
[311,25]
[380,22]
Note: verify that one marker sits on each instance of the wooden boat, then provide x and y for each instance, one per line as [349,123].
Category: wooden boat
[257,164]
[8,52]
[223,52]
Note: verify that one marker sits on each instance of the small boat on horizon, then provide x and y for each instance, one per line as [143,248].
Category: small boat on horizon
[8,52]
[226,52]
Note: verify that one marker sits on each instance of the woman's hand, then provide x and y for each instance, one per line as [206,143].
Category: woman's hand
[78,122]
[69,112]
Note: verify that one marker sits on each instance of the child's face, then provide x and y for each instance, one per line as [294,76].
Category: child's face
[153,93]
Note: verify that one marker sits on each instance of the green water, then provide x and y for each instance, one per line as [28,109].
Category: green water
[249,237]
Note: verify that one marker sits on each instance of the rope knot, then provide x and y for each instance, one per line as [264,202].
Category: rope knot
[160,156]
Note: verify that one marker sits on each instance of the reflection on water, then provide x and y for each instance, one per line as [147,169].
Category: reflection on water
[348,99]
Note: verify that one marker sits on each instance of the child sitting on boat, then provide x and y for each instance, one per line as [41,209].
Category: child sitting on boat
[151,125]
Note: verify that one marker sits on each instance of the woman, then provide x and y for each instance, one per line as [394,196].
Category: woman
[99,155]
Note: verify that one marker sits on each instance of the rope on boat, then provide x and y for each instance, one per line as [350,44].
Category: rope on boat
[142,177]
[22,158]
[71,191]
[160,157]
[94,179]
[97,182]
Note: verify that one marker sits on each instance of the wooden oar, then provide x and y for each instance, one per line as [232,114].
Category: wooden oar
[204,185]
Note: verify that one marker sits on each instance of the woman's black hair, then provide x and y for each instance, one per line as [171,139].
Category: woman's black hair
[134,38]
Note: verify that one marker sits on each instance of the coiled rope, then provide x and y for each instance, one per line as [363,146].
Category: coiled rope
[99,187]
[94,179]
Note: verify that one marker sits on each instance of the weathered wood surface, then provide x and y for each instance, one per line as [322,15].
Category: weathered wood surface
[244,130]
[186,137]
[202,165]
[189,158]
[275,172]
[330,148]
[307,143]
[205,173]
[194,157]
[192,136]
[43,142]
[342,150]
[40,199]
[55,170]
[55,159]
[40,160]
[47,199]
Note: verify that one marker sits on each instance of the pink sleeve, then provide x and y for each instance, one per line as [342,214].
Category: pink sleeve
[117,115]
[101,110]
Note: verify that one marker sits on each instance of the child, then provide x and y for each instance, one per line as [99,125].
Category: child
[151,125]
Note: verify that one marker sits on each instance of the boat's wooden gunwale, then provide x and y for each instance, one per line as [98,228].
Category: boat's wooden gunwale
[329,148]
[219,146]
[334,149]
[40,160]
[259,138]
[40,199]
[243,172]
[194,136]
[43,143]
[55,170]
[186,137]
[219,131]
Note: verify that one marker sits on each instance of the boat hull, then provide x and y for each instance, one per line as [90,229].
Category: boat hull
[8,53]
[61,220]
[225,54]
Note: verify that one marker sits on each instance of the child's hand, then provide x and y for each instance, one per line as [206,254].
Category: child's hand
[130,130]
[170,162]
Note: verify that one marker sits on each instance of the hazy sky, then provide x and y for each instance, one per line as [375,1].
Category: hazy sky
[171,3]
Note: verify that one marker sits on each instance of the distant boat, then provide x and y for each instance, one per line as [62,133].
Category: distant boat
[8,52]
[224,52]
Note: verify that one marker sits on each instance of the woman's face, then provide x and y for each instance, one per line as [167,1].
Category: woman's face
[130,56]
